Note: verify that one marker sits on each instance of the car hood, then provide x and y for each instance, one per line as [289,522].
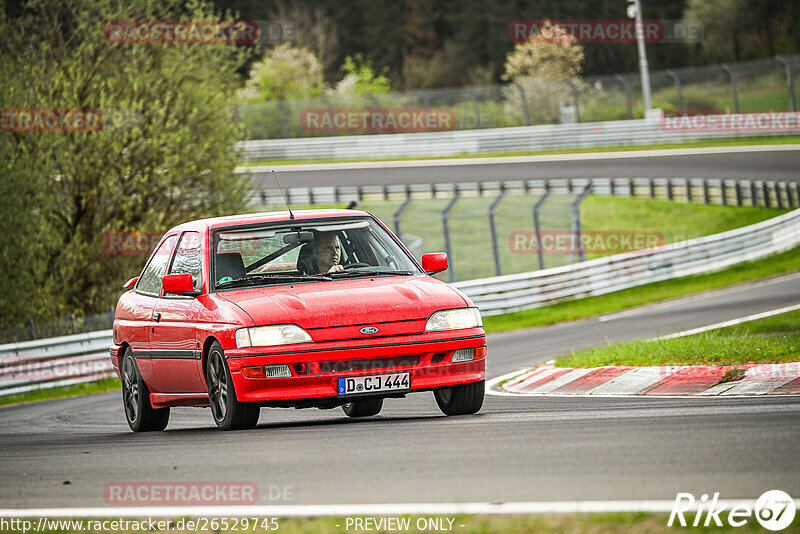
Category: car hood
[345,302]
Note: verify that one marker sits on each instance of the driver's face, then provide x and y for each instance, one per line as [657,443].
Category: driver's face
[327,252]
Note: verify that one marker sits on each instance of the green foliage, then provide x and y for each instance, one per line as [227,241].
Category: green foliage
[360,78]
[285,72]
[165,152]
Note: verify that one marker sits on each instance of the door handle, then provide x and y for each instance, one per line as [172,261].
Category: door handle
[157,316]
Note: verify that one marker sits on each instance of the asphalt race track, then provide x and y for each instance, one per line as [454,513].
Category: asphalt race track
[755,163]
[515,449]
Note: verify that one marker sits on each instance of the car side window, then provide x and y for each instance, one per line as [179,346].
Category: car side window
[188,257]
[150,281]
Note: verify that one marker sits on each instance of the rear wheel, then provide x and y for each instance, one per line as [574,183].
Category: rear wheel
[141,415]
[363,408]
[460,400]
[228,412]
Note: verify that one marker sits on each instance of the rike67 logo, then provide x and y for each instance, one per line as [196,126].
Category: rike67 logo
[774,510]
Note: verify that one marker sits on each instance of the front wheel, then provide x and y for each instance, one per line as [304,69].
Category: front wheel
[228,412]
[141,415]
[460,400]
[363,408]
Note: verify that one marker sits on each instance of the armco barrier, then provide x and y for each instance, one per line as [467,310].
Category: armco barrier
[84,357]
[701,190]
[58,361]
[509,293]
[514,139]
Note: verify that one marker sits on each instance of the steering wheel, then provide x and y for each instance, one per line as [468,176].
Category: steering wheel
[356,264]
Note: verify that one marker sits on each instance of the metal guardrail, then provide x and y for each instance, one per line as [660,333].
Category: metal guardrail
[451,143]
[58,361]
[701,190]
[80,358]
[515,292]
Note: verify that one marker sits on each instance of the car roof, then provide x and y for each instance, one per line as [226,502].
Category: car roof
[255,218]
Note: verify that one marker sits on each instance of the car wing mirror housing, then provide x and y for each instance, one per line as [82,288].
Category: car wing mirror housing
[130,283]
[179,284]
[435,262]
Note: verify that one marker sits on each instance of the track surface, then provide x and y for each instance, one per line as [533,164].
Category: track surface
[515,449]
[756,163]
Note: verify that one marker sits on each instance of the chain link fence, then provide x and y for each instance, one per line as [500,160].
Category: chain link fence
[758,85]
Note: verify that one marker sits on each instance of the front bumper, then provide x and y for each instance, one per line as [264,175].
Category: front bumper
[426,357]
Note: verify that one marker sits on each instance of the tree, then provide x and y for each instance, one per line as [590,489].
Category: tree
[544,66]
[285,72]
[164,152]
[726,24]
[360,78]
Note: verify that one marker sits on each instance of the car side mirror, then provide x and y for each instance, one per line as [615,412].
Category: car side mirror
[434,263]
[130,283]
[178,284]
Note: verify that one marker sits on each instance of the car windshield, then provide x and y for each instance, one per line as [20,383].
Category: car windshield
[305,251]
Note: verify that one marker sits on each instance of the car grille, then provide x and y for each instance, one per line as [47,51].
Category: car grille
[367,365]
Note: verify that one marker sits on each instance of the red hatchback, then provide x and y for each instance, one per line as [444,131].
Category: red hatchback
[322,308]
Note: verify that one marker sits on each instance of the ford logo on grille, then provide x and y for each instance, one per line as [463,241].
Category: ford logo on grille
[368,330]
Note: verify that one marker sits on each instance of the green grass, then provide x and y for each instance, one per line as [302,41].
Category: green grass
[629,523]
[705,143]
[576,309]
[101,386]
[772,340]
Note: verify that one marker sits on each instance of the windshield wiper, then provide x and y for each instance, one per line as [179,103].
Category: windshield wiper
[276,277]
[385,272]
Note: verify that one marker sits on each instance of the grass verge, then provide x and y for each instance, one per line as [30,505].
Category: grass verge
[706,143]
[576,309]
[632,523]
[772,340]
[101,386]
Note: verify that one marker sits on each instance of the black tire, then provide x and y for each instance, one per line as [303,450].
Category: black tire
[363,408]
[460,400]
[139,413]
[228,412]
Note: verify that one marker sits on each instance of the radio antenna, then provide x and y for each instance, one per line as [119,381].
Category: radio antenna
[291,215]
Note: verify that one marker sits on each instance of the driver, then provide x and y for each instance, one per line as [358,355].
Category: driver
[327,252]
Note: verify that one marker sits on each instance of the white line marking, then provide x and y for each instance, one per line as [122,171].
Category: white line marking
[341,510]
[732,322]
[518,159]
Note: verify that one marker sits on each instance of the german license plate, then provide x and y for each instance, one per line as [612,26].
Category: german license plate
[358,385]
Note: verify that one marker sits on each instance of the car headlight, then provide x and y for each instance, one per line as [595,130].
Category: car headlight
[454,319]
[267,336]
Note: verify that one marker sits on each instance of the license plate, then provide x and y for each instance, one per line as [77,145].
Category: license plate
[358,385]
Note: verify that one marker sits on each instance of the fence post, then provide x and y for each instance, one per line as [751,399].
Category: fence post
[677,89]
[287,126]
[576,222]
[627,88]
[575,99]
[706,198]
[399,214]
[525,111]
[734,92]
[738,185]
[670,194]
[689,190]
[652,187]
[476,106]
[493,230]
[723,192]
[446,225]
[537,226]
[789,81]
[31,326]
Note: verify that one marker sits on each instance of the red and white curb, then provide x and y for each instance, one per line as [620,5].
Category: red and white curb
[546,379]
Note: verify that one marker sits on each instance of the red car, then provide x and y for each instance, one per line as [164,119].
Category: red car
[320,308]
